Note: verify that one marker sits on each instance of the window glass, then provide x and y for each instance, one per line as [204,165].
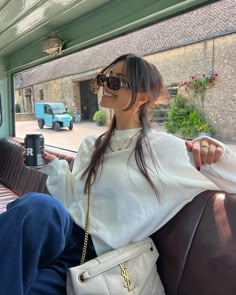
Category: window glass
[0,110]
[41,94]
[58,109]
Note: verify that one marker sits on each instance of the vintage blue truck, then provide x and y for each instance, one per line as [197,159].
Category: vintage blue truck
[53,114]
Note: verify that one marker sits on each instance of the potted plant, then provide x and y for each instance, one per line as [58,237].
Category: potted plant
[100,118]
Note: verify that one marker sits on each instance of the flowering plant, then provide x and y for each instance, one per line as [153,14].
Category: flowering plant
[199,84]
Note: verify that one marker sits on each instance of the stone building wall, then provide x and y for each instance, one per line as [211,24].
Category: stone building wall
[221,103]
[217,55]
[59,90]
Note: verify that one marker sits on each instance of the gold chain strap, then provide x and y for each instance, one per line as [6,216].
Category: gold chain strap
[84,251]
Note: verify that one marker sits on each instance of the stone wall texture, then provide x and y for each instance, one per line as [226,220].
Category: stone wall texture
[217,55]
[58,90]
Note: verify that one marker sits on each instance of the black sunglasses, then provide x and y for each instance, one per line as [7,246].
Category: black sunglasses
[114,83]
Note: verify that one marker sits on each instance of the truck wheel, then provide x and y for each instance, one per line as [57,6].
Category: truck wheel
[57,126]
[71,125]
[40,123]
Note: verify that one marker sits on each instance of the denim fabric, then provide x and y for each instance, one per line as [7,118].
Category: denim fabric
[39,242]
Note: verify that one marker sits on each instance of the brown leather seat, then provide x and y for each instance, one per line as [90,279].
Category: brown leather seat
[198,247]
[13,173]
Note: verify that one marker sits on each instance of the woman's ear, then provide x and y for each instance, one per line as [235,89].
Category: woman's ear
[142,98]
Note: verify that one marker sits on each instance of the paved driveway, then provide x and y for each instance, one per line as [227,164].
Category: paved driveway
[64,138]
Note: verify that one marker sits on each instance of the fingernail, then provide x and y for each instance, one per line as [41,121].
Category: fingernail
[198,168]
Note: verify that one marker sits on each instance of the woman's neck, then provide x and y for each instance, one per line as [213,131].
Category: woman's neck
[127,122]
[122,126]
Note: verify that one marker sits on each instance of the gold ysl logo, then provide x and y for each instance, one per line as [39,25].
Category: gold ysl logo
[127,278]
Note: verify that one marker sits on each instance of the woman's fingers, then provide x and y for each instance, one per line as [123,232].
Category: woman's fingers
[22,155]
[204,152]
[219,153]
[196,151]
[189,145]
[48,157]
[210,154]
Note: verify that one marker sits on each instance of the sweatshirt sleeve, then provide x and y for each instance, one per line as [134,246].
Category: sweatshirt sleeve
[223,172]
[179,163]
[61,181]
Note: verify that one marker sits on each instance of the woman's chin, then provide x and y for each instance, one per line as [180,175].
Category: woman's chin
[105,104]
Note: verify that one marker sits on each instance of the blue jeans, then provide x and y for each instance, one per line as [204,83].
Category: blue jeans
[38,243]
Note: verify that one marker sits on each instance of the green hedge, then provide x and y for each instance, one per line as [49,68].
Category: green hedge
[185,119]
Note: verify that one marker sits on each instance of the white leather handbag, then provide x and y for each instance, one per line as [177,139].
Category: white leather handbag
[127,270]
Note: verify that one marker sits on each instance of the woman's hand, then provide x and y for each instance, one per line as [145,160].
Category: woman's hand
[48,157]
[204,151]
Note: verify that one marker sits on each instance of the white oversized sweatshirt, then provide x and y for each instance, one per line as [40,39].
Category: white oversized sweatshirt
[124,208]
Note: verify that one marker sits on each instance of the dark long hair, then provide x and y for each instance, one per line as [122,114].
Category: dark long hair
[143,77]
